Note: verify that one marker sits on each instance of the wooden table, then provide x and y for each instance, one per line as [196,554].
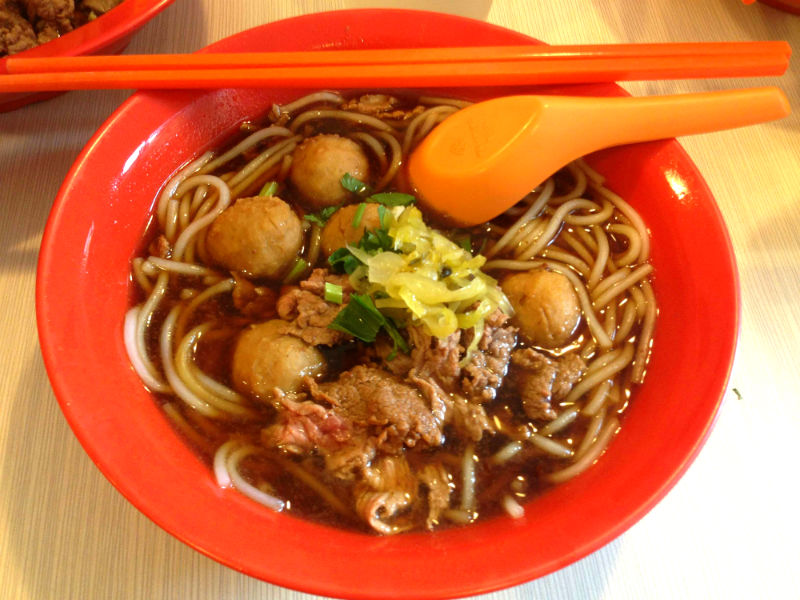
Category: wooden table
[731,527]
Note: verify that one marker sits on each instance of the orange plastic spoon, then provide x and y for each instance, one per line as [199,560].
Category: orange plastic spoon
[485,158]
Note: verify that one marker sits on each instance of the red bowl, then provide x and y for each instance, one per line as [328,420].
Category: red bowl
[792,6]
[108,34]
[83,292]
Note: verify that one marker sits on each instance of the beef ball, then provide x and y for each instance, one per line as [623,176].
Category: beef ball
[258,237]
[339,231]
[318,165]
[266,357]
[547,310]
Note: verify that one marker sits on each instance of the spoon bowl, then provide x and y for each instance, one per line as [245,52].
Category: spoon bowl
[483,159]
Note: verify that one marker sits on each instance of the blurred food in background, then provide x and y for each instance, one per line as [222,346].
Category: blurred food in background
[25,24]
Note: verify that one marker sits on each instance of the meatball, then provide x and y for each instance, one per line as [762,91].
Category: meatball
[318,165]
[259,237]
[339,230]
[547,310]
[266,357]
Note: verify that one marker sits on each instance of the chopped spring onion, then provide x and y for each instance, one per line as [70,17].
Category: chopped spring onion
[333,293]
[299,267]
[399,341]
[359,318]
[359,215]
[269,189]
[362,320]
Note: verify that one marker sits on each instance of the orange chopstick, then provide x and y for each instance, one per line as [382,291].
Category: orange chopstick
[416,67]
[392,56]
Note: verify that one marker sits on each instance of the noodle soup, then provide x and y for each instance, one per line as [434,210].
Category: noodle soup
[331,351]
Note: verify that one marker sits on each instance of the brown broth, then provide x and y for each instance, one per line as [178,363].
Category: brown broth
[520,477]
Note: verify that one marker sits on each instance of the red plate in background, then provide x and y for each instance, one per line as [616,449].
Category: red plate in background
[108,34]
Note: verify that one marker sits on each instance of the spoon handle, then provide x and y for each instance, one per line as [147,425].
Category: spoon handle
[484,158]
[630,119]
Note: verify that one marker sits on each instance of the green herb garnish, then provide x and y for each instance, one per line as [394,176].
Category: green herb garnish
[343,261]
[333,293]
[397,339]
[359,318]
[297,270]
[392,199]
[376,240]
[363,321]
[321,217]
[382,216]
[269,189]
[372,242]
[359,215]
[354,185]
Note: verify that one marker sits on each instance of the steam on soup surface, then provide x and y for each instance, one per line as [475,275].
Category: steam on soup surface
[332,352]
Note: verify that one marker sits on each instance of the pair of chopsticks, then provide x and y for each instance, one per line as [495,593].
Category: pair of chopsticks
[404,67]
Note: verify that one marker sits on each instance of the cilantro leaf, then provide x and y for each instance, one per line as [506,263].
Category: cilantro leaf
[392,199]
[343,261]
[354,185]
[321,217]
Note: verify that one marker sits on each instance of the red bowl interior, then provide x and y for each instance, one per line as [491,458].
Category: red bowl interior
[108,34]
[82,294]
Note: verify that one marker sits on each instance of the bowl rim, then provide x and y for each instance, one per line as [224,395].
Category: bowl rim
[52,349]
[790,6]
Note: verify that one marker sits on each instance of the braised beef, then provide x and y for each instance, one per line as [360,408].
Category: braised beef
[484,373]
[468,418]
[382,107]
[348,421]
[383,354]
[305,427]
[371,397]
[309,314]
[436,358]
[541,381]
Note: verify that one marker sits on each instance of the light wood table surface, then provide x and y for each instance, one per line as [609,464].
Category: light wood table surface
[730,529]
